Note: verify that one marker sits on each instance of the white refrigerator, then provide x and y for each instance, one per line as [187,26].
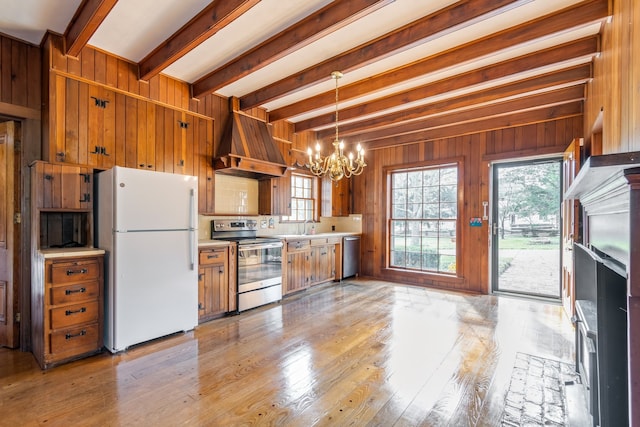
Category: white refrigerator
[146,222]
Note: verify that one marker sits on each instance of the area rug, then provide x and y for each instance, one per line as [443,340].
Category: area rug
[536,394]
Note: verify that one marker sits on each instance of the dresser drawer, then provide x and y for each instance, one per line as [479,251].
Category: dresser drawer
[212,256]
[75,340]
[75,314]
[74,271]
[74,293]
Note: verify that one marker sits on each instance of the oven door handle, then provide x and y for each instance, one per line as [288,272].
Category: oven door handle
[259,246]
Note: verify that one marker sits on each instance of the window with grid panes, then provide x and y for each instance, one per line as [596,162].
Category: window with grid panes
[424,214]
[302,201]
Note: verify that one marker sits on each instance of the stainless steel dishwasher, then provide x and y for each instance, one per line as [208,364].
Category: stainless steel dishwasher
[350,256]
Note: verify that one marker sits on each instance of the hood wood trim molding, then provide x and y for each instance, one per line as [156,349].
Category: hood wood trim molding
[247,149]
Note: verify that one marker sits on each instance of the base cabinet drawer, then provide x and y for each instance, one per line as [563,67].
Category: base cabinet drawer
[75,340]
[75,314]
[213,256]
[74,272]
[74,293]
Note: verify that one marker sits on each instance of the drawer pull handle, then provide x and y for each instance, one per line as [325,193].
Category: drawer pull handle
[70,312]
[81,271]
[75,291]
[212,256]
[79,334]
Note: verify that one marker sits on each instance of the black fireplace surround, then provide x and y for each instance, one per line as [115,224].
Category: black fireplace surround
[601,334]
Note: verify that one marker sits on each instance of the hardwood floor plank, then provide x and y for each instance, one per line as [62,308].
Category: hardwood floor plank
[362,352]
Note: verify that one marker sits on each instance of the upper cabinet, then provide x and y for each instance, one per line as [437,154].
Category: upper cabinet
[82,128]
[62,187]
[335,197]
[275,196]
[92,125]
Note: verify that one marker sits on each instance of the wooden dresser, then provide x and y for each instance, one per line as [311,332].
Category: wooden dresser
[67,302]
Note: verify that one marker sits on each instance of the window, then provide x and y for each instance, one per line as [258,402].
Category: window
[424,213]
[302,198]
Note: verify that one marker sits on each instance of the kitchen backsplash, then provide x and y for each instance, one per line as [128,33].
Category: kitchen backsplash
[270,225]
[236,195]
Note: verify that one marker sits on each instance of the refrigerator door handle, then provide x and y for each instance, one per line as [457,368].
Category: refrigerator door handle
[192,229]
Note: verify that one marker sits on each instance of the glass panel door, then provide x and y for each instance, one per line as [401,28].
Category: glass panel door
[526,228]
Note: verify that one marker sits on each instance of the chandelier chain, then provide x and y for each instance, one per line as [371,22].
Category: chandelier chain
[336,77]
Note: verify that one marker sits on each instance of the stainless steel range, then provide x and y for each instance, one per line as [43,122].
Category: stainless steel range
[259,261]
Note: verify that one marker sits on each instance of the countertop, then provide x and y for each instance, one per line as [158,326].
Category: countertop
[207,243]
[314,236]
[70,252]
[213,243]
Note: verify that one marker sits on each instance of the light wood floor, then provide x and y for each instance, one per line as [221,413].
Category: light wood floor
[359,353]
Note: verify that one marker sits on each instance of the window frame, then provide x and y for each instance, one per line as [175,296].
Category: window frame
[459,244]
[314,198]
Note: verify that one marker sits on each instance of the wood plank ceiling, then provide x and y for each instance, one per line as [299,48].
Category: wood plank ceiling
[413,69]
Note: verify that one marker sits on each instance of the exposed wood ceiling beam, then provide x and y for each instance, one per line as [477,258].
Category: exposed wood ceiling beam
[578,15]
[517,119]
[330,18]
[555,55]
[460,15]
[571,76]
[209,21]
[85,22]
[540,100]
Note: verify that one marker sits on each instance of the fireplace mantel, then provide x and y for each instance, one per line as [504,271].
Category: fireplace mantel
[598,171]
[603,188]
[608,188]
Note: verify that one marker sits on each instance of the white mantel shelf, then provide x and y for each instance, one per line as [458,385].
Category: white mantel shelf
[597,170]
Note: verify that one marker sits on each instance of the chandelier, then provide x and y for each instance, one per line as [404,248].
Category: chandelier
[337,165]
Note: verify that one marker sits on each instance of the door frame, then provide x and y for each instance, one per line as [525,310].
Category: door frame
[494,228]
[11,208]
[30,148]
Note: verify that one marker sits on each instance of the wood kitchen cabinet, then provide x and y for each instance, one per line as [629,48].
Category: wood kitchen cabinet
[178,135]
[138,135]
[92,125]
[82,124]
[311,261]
[334,199]
[62,187]
[67,307]
[275,196]
[323,261]
[216,282]
[297,271]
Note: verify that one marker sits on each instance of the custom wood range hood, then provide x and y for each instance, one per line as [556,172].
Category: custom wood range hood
[247,149]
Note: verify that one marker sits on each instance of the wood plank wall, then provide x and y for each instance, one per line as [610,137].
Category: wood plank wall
[93,65]
[476,151]
[21,99]
[614,92]
[19,73]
